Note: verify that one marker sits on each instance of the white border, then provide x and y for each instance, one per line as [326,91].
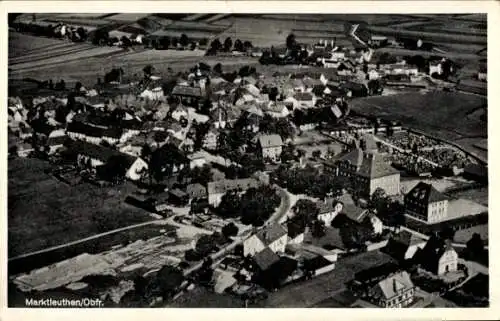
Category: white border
[490,7]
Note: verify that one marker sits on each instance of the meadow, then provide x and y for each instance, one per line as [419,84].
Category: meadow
[44,212]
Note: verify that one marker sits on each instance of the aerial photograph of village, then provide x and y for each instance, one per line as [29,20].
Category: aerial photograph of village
[223,160]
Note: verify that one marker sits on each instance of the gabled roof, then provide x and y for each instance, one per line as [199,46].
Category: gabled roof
[426,193]
[373,166]
[317,263]
[303,97]
[186,91]
[392,285]
[196,190]
[226,185]
[271,233]
[354,212]
[354,157]
[273,140]
[99,152]
[265,259]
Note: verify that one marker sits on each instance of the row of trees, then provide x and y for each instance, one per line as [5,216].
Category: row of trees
[253,207]
[308,180]
[217,46]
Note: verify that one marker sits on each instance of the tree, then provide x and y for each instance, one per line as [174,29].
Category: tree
[306,210]
[174,42]
[273,93]
[148,71]
[318,229]
[447,233]
[78,86]
[238,46]
[379,200]
[247,45]
[184,40]
[230,230]
[168,280]
[206,245]
[228,44]
[291,43]
[216,45]
[218,68]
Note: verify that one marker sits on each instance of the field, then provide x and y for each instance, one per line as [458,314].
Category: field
[443,114]
[44,212]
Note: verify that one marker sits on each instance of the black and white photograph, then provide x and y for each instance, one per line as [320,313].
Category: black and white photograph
[244,160]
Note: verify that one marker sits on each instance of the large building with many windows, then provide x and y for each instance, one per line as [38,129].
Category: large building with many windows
[368,171]
[426,204]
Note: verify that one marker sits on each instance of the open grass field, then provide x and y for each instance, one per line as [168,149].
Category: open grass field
[44,212]
[444,114]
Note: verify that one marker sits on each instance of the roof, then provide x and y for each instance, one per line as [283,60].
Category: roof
[98,152]
[373,166]
[88,130]
[303,96]
[273,140]
[224,186]
[408,238]
[186,91]
[354,212]
[266,258]
[392,285]
[196,190]
[326,206]
[426,193]
[354,157]
[178,193]
[317,263]
[58,140]
[271,233]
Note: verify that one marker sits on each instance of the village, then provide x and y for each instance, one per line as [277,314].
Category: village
[253,187]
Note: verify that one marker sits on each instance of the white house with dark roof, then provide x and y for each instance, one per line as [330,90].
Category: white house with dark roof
[426,204]
[394,291]
[97,155]
[271,146]
[273,237]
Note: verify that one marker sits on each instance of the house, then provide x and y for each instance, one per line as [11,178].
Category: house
[273,236]
[394,291]
[277,110]
[271,146]
[304,100]
[264,259]
[368,171]
[197,159]
[318,265]
[152,94]
[328,210]
[426,204]
[189,96]
[97,155]
[196,191]
[373,74]
[178,197]
[404,245]
[217,189]
[436,67]
[210,139]
[24,149]
[438,256]
[180,112]
[55,143]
